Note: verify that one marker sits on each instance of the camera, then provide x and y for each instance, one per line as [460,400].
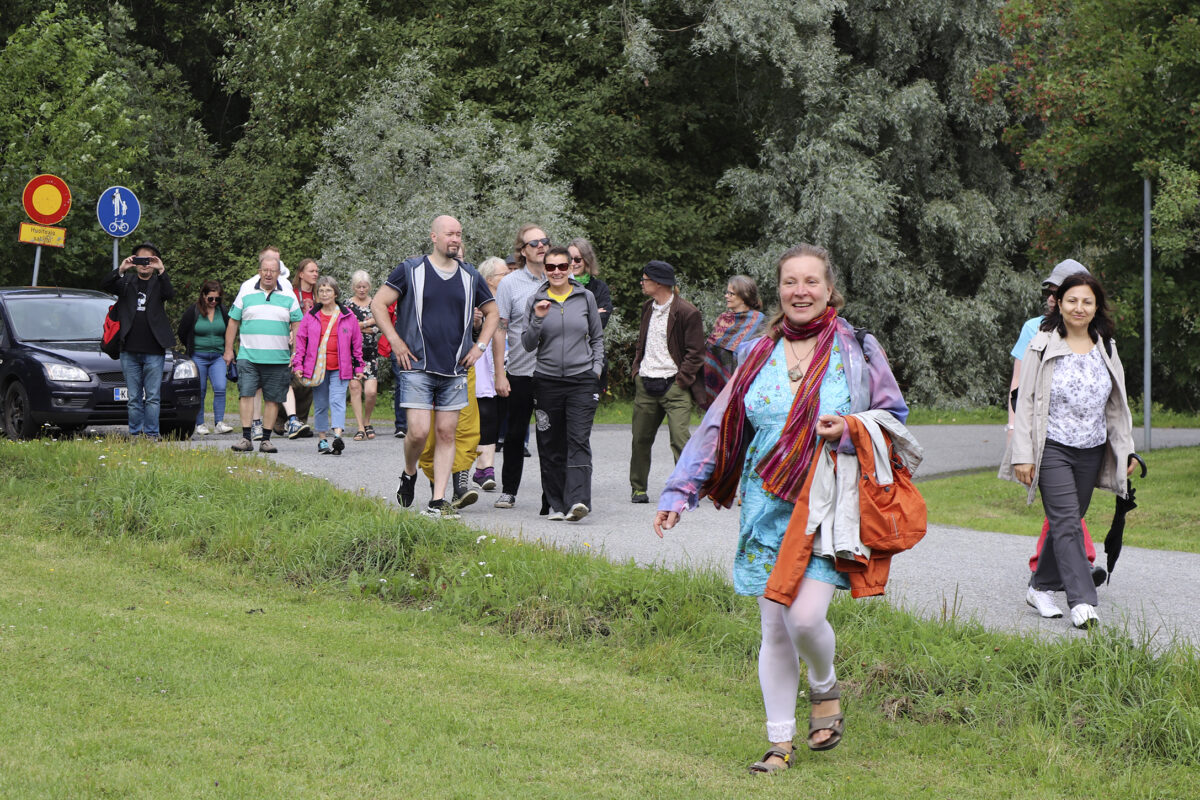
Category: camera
[141,261]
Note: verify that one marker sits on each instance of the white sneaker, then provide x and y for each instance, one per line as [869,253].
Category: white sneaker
[1084,616]
[202,430]
[556,516]
[577,512]
[221,427]
[1044,603]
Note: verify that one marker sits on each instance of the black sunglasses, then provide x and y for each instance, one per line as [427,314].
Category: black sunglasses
[557,267]
[576,259]
[535,242]
[213,298]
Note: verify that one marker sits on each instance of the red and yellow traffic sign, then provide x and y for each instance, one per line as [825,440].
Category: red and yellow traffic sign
[44,235]
[46,199]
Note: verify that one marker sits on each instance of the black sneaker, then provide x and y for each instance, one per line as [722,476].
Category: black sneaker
[407,490]
[639,497]
[400,433]
[464,495]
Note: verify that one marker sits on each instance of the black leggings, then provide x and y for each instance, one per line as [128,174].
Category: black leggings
[489,420]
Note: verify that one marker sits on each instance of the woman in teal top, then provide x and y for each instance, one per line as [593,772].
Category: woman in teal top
[202,331]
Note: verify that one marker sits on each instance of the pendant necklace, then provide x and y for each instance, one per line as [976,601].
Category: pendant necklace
[795,373]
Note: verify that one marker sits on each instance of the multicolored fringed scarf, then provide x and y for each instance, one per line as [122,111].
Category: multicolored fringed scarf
[729,331]
[783,468]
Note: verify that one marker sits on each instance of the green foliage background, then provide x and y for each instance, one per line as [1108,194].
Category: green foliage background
[908,137]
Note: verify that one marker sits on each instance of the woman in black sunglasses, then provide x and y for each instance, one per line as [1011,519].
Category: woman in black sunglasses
[202,331]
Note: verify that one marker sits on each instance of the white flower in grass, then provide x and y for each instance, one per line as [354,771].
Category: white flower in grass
[481,538]
[482,563]
[489,575]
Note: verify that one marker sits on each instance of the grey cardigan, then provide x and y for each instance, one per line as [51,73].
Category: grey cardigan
[569,340]
[1033,414]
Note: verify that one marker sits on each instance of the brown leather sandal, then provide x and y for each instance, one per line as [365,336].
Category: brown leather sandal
[835,723]
[763,768]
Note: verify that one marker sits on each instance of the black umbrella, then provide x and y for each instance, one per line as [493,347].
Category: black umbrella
[1112,542]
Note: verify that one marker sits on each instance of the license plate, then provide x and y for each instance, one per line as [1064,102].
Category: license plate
[121,393]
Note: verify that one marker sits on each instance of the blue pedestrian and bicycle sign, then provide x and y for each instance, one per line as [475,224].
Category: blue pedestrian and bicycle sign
[119,211]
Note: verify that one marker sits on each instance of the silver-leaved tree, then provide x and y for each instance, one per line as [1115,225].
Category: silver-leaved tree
[873,145]
[388,172]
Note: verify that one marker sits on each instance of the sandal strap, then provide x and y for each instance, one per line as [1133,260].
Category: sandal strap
[777,752]
[820,697]
[834,722]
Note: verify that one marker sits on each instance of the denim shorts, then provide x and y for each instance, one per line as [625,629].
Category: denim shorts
[437,392]
[273,379]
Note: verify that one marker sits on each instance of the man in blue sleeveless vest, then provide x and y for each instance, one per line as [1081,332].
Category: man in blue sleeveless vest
[436,296]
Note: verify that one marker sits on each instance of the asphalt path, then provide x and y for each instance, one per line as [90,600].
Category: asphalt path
[953,572]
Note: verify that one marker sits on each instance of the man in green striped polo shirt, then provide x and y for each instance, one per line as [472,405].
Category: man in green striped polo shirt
[266,315]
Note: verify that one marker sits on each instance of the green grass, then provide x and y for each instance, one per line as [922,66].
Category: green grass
[132,665]
[1167,516]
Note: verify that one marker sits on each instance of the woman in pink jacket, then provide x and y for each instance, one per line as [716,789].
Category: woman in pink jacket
[337,351]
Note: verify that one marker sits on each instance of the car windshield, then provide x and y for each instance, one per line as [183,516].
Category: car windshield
[58,319]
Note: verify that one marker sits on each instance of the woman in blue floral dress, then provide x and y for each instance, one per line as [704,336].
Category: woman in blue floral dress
[792,387]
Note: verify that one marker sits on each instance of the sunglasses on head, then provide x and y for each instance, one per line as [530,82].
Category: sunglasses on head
[535,242]
[557,267]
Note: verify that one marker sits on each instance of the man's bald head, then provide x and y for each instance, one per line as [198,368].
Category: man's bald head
[446,233]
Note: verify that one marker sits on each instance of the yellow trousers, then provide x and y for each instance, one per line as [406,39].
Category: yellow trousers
[466,435]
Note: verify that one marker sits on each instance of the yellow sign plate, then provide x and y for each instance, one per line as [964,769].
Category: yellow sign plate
[43,234]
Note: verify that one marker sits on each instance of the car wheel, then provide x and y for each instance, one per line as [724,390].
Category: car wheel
[18,421]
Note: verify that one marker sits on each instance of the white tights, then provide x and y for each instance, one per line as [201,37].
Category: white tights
[791,633]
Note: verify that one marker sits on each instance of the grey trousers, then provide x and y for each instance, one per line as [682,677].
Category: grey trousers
[1066,479]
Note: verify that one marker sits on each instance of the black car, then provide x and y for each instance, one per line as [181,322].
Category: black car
[52,373]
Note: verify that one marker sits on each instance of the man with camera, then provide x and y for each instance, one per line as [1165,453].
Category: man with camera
[142,287]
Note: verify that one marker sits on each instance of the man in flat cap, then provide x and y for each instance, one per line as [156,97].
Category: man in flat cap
[667,370]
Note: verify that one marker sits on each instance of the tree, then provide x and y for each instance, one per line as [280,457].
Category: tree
[1106,94]
[389,172]
[872,145]
[106,113]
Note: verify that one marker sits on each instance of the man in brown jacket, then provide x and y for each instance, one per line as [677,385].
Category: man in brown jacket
[667,370]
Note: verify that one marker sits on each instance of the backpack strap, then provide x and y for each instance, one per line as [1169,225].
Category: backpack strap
[861,335]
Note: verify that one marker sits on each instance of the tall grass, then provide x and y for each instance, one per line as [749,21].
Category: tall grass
[1108,692]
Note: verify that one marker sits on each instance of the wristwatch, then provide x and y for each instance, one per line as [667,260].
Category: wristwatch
[482,347]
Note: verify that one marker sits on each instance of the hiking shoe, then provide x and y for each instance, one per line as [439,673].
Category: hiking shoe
[202,430]
[294,427]
[464,495]
[256,430]
[323,447]
[1098,576]
[577,512]
[338,445]
[556,516]
[1043,602]
[1083,616]
[221,427]
[639,497]
[486,478]
[506,501]
[407,490]
[306,431]
[242,446]
[440,509]
[265,446]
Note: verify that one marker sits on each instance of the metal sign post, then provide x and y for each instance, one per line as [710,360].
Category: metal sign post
[37,262]
[1146,309]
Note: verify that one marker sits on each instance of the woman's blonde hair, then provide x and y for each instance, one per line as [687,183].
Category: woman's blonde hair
[360,276]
